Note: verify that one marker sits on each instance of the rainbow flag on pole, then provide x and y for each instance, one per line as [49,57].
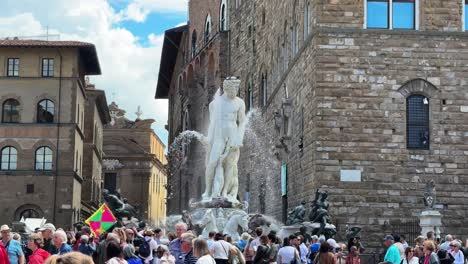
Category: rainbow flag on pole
[101,220]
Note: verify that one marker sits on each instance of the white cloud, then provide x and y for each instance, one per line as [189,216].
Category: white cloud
[138,10]
[129,70]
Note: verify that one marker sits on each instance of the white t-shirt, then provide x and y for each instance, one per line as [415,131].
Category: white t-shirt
[287,254]
[414,260]
[207,259]
[401,249]
[221,249]
[254,245]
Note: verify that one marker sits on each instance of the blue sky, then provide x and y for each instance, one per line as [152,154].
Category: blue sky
[128,35]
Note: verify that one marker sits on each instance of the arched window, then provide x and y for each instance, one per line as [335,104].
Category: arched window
[194,43]
[43,159]
[249,97]
[294,40]
[294,31]
[306,20]
[45,111]
[9,158]
[264,89]
[417,122]
[10,112]
[223,16]
[208,29]
[285,47]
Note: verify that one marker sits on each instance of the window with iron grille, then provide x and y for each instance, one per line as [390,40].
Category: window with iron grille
[47,67]
[417,118]
[13,67]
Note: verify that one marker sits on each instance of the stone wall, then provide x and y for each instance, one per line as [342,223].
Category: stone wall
[347,88]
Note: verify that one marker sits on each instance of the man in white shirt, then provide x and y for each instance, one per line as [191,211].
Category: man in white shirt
[303,249]
[288,253]
[399,245]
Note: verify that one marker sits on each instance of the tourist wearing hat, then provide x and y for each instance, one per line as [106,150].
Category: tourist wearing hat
[393,254]
[13,247]
[47,231]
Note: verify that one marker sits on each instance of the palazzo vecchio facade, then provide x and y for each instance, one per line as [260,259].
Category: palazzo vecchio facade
[367,100]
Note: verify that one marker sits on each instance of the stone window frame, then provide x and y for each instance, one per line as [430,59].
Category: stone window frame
[295,30]
[9,167]
[263,98]
[223,24]
[419,87]
[49,73]
[193,46]
[208,29]
[390,15]
[36,149]
[307,19]
[464,22]
[14,71]
[41,99]
[19,107]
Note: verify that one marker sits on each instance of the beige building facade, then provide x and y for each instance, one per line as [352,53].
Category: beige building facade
[43,98]
[134,165]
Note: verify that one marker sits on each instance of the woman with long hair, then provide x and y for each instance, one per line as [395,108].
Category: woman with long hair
[201,251]
[410,258]
[325,256]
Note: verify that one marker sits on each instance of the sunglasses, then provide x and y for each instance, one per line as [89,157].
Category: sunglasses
[453,246]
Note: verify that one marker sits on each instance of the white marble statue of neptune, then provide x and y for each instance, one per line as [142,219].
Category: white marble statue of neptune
[225,136]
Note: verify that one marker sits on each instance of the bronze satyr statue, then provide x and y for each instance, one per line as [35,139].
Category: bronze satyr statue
[120,208]
[319,213]
[296,216]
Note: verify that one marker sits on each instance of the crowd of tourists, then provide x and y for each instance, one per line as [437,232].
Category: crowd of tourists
[149,246]
[426,250]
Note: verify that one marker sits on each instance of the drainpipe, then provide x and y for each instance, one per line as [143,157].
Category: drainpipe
[58,139]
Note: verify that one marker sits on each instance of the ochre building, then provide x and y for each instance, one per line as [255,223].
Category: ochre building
[134,164]
[42,128]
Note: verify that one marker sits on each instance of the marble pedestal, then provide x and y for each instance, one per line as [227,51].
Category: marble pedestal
[430,220]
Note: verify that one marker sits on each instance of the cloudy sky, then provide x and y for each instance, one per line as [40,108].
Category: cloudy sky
[128,35]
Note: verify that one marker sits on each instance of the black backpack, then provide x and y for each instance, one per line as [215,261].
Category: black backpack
[145,249]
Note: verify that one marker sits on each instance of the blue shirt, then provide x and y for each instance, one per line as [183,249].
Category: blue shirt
[176,251]
[64,249]
[392,255]
[14,250]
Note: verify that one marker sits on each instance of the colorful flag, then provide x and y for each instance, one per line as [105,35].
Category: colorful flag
[101,220]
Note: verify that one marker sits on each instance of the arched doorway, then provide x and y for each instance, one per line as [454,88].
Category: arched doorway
[28,211]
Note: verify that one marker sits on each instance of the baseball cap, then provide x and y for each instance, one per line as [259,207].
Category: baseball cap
[388,237]
[47,226]
[332,243]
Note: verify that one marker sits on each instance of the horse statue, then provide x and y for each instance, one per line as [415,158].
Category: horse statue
[236,220]
[209,223]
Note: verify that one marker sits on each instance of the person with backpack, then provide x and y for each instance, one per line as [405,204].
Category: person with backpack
[145,251]
[263,251]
